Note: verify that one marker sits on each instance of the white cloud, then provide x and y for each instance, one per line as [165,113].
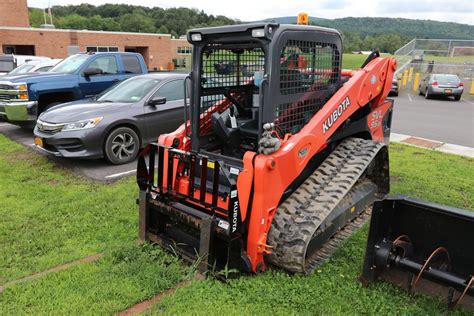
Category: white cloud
[462,11]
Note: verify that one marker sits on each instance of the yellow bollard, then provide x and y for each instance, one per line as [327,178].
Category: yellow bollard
[416,82]
[410,74]
[471,91]
[405,77]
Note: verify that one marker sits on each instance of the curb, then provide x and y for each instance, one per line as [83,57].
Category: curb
[432,144]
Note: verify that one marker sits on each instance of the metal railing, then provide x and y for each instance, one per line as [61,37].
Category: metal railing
[442,47]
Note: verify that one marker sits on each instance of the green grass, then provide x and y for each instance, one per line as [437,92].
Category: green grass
[50,216]
[446,59]
[353,61]
[123,277]
[334,289]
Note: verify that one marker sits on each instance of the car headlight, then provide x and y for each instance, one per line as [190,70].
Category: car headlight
[21,87]
[84,124]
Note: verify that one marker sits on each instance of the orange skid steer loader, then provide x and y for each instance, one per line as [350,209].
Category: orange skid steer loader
[280,158]
[281,153]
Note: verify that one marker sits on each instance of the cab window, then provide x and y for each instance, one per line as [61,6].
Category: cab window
[131,64]
[108,65]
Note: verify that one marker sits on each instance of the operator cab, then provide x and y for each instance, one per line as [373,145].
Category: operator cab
[247,75]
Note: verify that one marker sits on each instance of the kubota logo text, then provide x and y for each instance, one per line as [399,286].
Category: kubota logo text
[234,216]
[336,114]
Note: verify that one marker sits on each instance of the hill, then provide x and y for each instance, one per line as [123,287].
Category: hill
[365,26]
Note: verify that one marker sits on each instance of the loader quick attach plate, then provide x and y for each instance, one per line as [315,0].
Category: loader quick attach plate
[422,246]
[191,220]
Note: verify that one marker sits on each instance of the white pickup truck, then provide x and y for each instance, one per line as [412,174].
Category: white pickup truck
[10,62]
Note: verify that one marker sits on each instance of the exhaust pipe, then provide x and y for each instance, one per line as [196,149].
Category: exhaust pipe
[422,247]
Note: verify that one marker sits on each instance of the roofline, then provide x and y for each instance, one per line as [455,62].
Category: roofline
[35,29]
[245,27]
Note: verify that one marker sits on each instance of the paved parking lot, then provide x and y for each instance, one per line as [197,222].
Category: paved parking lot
[441,120]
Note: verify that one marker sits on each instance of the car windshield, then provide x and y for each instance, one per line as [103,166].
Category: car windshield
[446,78]
[70,64]
[21,69]
[130,91]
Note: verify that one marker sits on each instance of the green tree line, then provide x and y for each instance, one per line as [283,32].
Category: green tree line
[384,34]
[128,18]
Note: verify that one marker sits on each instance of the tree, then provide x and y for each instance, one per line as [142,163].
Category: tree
[36,17]
[136,22]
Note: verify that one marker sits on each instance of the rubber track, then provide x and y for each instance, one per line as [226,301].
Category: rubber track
[299,217]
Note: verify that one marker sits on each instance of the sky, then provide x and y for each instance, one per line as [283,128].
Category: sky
[460,11]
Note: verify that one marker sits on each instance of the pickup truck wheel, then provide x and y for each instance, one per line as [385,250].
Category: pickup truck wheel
[121,145]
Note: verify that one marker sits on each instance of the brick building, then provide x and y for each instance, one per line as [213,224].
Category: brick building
[16,36]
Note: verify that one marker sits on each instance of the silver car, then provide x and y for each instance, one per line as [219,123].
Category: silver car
[441,85]
[117,123]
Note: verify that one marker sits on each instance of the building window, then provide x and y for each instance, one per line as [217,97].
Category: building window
[185,50]
[102,49]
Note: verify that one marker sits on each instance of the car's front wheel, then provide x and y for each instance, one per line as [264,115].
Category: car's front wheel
[121,145]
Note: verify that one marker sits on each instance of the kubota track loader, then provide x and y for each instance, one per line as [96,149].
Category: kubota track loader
[281,153]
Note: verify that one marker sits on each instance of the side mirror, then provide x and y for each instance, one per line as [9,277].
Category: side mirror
[157,101]
[92,72]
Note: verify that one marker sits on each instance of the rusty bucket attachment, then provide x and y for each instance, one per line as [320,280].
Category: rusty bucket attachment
[422,247]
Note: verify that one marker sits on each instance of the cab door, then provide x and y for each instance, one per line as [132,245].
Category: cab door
[92,85]
[167,117]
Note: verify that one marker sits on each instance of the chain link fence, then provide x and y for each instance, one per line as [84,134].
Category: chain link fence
[437,47]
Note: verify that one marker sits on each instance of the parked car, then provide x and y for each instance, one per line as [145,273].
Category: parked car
[442,85]
[10,62]
[117,123]
[23,97]
[395,89]
[35,66]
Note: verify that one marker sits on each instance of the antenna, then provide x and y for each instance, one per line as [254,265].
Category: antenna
[50,16]
[50,13]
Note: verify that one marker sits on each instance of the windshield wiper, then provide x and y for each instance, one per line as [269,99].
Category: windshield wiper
[106,101]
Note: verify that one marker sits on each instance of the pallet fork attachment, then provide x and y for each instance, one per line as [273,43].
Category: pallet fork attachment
[422,247]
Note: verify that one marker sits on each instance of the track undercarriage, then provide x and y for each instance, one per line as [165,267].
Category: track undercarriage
[338,193]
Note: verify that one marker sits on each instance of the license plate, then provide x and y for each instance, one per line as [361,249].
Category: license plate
[39,141]
[448,90]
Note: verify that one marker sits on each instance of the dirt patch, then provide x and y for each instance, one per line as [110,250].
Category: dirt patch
[396,179]
[144,305]
[19,155]
[422,142]
[53,182]
[52,270]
